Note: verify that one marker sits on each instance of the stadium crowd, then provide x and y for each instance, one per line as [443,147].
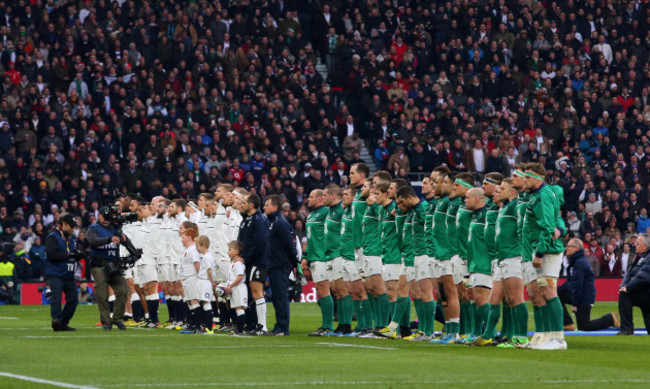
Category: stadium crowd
[104,98]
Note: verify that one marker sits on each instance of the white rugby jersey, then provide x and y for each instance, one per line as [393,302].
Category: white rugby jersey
[187,260]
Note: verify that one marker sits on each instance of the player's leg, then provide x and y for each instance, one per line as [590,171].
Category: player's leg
[548,287]
[493,313]
[402,310]
[375,283]
[257,280]
[320,275]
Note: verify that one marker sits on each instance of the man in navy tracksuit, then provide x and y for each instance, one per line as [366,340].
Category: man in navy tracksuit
[60,258]
[254,234]
[282,258]
[635,288]
[579,290]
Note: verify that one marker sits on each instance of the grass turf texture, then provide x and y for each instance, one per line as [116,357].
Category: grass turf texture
[166,359]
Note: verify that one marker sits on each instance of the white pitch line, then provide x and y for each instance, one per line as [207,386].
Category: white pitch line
[8,318]
[355,345]
[42,381]
[208,347]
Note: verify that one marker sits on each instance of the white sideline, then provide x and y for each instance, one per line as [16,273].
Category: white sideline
[355,345]
[42,381]
[8,318]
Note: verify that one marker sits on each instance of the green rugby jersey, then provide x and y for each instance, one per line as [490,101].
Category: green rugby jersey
[507,242]
[400,218]
[407,240]
[418,218]
[526,251]
[428,226]
[358,209]
[490,228]
[542,213]
[371,231]
[440,238]
[390,254]
[459,217]
[316,234]
[478,259]
[333,232]
[347,238]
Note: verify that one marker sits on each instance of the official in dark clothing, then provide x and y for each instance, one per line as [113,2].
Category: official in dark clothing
[281,261]
[635,289]
[254,235]
[104,249]
[579,290]
[61,254]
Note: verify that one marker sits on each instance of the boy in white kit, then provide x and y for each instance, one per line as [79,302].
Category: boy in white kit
[189,268]
[206,283]
[236,289]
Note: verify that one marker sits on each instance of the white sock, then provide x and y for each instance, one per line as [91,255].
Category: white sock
[260,306]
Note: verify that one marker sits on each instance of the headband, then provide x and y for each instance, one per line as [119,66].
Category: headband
[490,181]
[533,175]
[464,183]
[520,173]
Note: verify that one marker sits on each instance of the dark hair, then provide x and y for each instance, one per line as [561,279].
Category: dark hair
[254,200]
[405,192]
[274,200]
[362,168]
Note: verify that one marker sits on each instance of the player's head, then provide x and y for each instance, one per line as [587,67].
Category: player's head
[535,175]
[203,199]
[395,185]
[358,173]
[439,171]
[381,191]
[202,244]
[223,194]
[331,195]
[366,189]
[427,188]
[238,197]
[235,248]
[176,207]
[315,199]
[348,195]
[474,198]
[406,198]
[505,191]
[463,182]
[491,182]
[381,176]
[518,177]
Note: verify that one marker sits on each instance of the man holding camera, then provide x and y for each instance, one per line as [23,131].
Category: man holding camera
[61,255]
[104,256]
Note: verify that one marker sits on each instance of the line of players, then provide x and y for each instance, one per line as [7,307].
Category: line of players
[188,249]
[376,246]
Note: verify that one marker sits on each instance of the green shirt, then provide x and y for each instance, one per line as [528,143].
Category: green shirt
[526,251]
[400,218]
[490,228]
[542,214]
[418,217]
[358,209]
[506,231]
[347,238]
[478,259]
[440,240]
[428,227]
[463,218]
[390,254]
[316,234]
[407,240]
[371,231]
[333,232]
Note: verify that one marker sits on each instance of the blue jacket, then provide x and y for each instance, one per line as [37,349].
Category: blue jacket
[57,261]
[642,224]
[581,280]
[282,245]
[254,235]
[637,277]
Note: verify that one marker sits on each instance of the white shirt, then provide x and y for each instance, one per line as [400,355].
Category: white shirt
[207,262]
[625,257]
[479,162]
[237,268]
[189,258]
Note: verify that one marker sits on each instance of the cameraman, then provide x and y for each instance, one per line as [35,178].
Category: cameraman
[104,263]
[61,254]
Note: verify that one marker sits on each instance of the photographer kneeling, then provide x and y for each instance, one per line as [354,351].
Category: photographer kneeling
[105,268]
[61,255]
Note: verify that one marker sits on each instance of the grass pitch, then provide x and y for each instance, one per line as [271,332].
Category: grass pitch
[144,358]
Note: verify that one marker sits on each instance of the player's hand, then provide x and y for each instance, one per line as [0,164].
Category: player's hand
[304,265]
[557,234]
[214,285]
[228,290]
[115,239]
[537,262]
[574,309]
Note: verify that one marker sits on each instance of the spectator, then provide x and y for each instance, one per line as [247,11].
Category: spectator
[634,290]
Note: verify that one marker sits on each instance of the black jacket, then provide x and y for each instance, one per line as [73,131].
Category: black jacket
[281,243]
[254,235]
[638,277]
[581,280]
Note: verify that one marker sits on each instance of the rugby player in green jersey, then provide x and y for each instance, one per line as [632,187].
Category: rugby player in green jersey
[348,268]
[359,173]
[442,242]
[459,216]
[318,265]
[479,263]
[540,229]
[344,304]
[402,310]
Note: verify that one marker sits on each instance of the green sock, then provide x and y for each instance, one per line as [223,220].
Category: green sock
[539,320]
[493,313]
[347,309]
[367,313]
[327,311]
[469,328]
[391,311]
[505,322]
[339,311]
[384,306]
[419,313]
[511,323]
[357,309]
[546,316]
[556,314]
[374,310]
[521,318]
[401,306]
[429,309]
[405,319]
[454,327]
[463,317]
[478,318]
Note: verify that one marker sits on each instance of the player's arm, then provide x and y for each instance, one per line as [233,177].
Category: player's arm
[234,283]
[546,222]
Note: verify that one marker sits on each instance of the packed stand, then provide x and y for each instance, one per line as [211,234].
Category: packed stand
[171,98]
